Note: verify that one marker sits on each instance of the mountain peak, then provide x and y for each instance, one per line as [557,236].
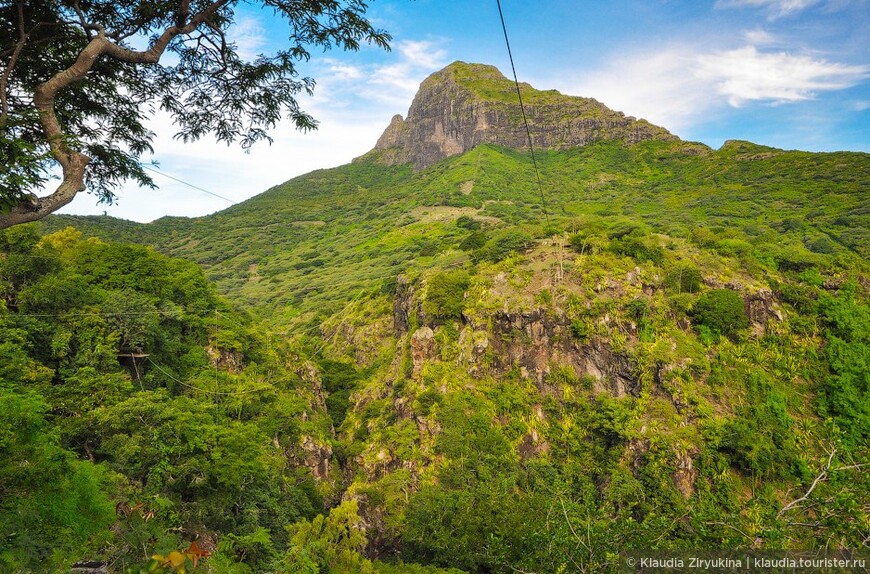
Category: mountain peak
[464,105]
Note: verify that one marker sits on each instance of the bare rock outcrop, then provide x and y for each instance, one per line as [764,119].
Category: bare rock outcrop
[686,474]
[535,341]
[761,308]
[403,306]
[316,456]
[422,348]
[465,105]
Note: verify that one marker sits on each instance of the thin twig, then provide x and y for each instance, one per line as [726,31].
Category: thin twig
[821,476]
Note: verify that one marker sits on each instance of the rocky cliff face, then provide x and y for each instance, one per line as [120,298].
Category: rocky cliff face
[465,105]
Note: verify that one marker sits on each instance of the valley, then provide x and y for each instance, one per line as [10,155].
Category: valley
[424,361]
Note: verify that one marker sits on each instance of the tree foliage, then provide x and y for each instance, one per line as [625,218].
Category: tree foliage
[171,437]
[721,311]
[445,295]
[76,91]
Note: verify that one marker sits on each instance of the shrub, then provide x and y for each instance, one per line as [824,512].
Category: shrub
[638,309]
[638,248]
[580,330]
[339,380]
[427,247]
[845,392]
[474,240]
[583,241]
[504,244]
[792,224]
[445,295]
[822,245]
[466,222]
[703,237]
[733,247]
[684,278]
[621,228]
[758,440]
[803,298]
[721,311]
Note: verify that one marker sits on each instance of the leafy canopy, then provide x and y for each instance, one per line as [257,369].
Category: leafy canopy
[75,91]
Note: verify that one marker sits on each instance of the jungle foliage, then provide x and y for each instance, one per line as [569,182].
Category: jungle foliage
[672,361]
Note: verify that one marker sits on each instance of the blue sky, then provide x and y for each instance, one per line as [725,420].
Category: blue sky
[793,74]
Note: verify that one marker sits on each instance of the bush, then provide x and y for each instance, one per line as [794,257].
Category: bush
[822,245]
[638,309]
[445,295]
[622,227]
[503,245]
[580,330]
[466,222]
[427,247]
[758,440]
[792,224]
[845,392]
[582,241]
[638,248]
[703,237]
[339,381]
[721,311]
[474,240]
[733,247]
[684,278]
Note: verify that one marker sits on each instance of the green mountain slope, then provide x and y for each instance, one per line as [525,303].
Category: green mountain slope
[663,346]
[328,234]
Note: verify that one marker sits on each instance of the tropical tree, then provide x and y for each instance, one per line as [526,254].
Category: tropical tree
[76,90]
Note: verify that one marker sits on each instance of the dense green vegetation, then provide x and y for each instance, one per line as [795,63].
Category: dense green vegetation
[434,370]
[128,384]
[316,241]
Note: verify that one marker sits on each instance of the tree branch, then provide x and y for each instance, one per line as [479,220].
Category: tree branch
[13,59]
[74,163]
[821,476]
[183,13]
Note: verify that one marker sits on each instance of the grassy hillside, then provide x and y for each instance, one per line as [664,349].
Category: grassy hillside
[317,240]
[666,347]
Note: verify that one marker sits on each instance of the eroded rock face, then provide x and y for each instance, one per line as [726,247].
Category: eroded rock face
[317,456]
[225,359]
[403,306]
[309,373]
[686,474]
[465,105]
[535,342]
[422,347]
[761,308]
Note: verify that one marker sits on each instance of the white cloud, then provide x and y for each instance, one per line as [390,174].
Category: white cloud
[230,172]
[249,37]
[422,54]
[676,86]
[659,87]
[759,37]
[775,8]
[346,72]
[745,74]
[418,59]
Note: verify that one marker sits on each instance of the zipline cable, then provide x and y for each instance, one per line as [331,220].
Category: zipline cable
[181,181]
[206,391]
[523,110]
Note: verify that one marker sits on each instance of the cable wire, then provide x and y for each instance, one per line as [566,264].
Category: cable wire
[206,391]
[523,110]
[189,184]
